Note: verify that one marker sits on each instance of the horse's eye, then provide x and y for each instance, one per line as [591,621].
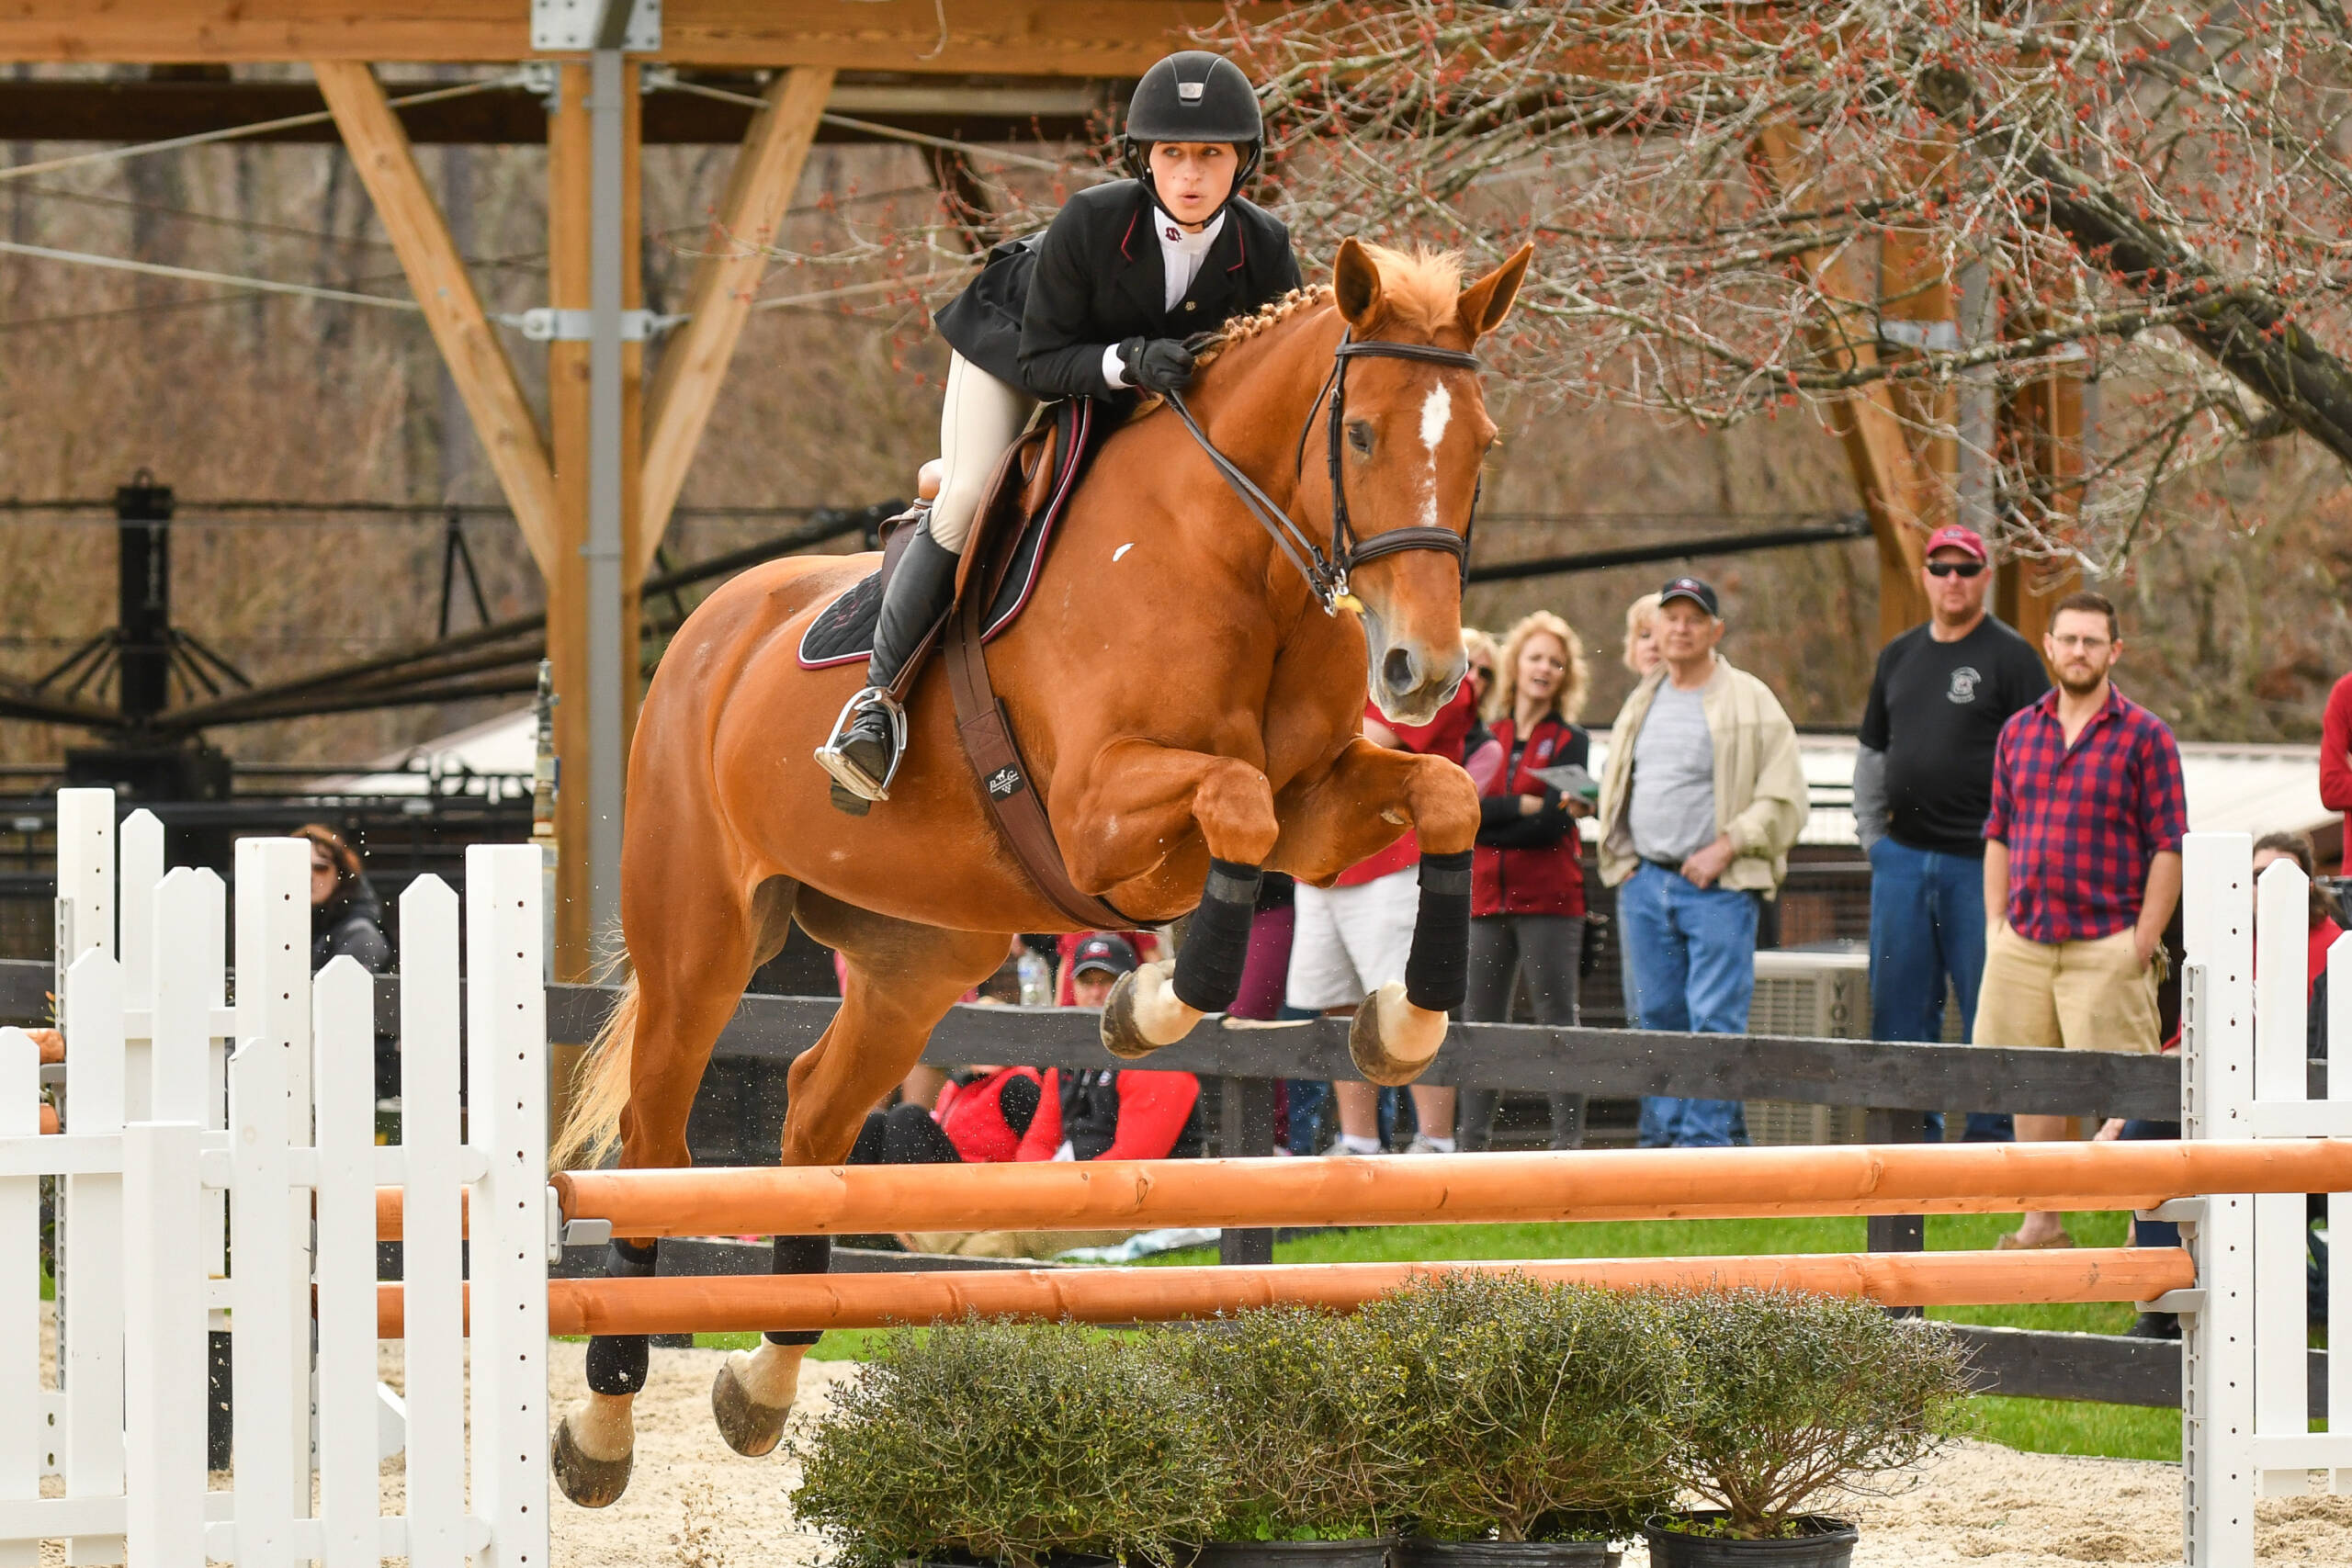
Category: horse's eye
[1360,436]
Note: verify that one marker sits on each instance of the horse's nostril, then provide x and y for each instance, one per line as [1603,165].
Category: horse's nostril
[1400,671]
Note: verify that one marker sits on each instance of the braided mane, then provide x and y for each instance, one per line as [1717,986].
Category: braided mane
[1420,285]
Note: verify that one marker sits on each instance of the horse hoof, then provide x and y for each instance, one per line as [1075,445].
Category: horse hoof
[750,1428]
[1143,1013]
[589,1482]
[1392,1042]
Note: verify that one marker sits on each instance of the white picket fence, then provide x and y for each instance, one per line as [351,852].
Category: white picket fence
[152,1167]
[2246,1427]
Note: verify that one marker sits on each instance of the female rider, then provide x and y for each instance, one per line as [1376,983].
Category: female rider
[1098,306]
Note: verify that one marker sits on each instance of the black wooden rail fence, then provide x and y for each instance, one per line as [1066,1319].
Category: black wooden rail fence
[1896,1081]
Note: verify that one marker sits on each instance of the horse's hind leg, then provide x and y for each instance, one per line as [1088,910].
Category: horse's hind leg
[903,979]
[693,956]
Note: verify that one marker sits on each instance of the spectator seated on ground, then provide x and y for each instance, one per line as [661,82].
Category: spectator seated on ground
[991,1115]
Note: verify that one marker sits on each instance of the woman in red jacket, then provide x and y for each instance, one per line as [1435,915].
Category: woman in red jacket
[1527,878]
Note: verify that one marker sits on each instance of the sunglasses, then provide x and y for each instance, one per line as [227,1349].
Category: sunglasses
[1483,671]
[1955,568]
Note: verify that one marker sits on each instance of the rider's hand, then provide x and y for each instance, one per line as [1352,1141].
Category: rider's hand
[1159,365]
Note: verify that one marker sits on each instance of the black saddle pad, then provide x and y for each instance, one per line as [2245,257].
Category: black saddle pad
[844,630]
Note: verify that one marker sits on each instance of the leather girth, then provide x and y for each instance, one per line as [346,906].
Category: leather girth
[986,730]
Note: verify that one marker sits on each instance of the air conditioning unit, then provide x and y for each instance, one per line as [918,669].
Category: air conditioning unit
[1823,994]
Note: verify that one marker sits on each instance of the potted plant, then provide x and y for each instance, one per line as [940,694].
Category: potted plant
[1542,1417]
[1011,1443]
[1793,1399]
[1307,1410]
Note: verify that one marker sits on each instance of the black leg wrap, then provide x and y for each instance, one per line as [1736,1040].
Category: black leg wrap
[1437,972]
[1216,943]
[616,1362]
[801,1255]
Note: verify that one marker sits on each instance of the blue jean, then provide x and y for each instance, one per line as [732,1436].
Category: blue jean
[1928,925]
[1691,952]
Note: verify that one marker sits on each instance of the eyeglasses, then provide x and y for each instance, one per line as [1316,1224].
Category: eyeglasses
[1955,568]
[1483,671]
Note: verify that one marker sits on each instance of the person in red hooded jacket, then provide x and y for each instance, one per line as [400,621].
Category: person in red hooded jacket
[1526,903]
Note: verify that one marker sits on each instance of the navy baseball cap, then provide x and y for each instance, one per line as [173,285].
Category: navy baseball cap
[1690,587]
[1110,954]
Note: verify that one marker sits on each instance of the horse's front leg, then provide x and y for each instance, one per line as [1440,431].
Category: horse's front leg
[1355,809]
[1137,799]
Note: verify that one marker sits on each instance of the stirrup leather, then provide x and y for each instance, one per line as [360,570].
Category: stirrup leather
[837,764]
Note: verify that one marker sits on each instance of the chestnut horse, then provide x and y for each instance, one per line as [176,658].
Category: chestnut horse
[1183,697]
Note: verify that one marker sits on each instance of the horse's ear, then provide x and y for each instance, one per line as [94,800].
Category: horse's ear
[1355,284]
[1485,304]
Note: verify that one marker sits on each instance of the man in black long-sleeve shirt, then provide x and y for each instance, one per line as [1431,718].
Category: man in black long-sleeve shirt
[1923,783]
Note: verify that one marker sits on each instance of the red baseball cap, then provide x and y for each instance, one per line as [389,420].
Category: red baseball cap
[1952,536]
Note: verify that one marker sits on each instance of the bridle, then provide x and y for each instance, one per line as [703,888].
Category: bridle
[1327,571]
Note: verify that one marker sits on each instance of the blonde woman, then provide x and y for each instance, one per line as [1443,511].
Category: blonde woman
[1641,636]
[1527,878]
[1481,758]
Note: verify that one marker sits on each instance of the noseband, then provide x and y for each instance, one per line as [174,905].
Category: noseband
[1327,571]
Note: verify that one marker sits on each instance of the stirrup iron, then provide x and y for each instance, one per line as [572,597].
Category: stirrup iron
[837,762]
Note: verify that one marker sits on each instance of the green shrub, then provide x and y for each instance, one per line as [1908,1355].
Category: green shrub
[1308,1412]
[1795,1397]
[1536,1411]
[1006,1441]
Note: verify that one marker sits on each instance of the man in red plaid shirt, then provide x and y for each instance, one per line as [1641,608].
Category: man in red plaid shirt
[2082,867]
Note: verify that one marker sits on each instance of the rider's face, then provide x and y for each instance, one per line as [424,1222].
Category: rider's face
[1192,177]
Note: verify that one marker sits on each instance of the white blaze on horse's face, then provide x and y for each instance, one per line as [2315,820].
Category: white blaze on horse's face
[1437,412]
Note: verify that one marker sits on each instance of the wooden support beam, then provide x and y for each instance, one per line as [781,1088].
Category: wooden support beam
[1893,484]
[1032,38]
[568,213]
[436,274]
[2041,433]
[694,364]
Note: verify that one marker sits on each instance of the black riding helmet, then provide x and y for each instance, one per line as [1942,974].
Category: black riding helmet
[1193,96]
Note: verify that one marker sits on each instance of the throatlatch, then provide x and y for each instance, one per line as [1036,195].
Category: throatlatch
[1437,971]
[1216,943]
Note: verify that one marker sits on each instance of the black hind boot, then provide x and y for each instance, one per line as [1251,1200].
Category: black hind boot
[869,737]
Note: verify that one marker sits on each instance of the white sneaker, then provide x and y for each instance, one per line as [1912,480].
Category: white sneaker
[1341,1151]
[1420,1146]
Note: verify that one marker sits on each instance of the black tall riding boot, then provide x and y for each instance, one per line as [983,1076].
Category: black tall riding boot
[863,752]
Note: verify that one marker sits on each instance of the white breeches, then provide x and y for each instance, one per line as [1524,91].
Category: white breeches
[981,419]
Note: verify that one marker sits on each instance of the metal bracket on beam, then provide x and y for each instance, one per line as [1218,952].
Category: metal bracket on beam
[2180,1211]
[545,324]
[569,27]
[2182,1302]
[1935,337]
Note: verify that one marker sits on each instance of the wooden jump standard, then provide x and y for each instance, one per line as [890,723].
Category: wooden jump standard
[753,1303]
[1482,1188]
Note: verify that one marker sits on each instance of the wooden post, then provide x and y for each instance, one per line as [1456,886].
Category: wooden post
[436,274]
[568,411]
[694,365]
[2041,433]
[1891,479]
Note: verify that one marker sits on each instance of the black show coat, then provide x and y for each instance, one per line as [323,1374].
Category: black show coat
[1045,306]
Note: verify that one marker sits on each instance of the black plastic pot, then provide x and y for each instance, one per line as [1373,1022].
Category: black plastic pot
[1826,1543]
[1418,1553]
[1295,1554]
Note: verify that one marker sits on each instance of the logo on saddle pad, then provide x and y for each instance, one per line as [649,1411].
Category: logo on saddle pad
[1005,782]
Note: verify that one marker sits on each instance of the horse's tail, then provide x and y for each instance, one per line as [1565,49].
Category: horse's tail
[592,1128]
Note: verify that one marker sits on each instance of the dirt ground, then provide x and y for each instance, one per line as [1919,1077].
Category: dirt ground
[694,1504]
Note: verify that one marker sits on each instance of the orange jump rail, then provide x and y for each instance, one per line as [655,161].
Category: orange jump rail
[1482,1188]
[753,1303]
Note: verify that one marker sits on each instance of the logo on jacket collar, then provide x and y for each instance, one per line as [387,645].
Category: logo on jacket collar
[1174,233]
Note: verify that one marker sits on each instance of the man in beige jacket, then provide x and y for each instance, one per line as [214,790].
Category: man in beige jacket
[1701,799]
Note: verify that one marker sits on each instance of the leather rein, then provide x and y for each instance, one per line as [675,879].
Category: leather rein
[1327,571]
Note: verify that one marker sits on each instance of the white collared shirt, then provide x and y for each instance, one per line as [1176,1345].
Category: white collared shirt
[1182,251]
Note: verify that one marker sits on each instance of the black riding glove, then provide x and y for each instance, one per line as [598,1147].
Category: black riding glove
[1159,365]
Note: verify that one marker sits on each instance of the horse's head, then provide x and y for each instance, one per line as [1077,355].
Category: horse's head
[1412,436]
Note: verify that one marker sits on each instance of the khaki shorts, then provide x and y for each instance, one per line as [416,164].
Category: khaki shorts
[2085,996]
